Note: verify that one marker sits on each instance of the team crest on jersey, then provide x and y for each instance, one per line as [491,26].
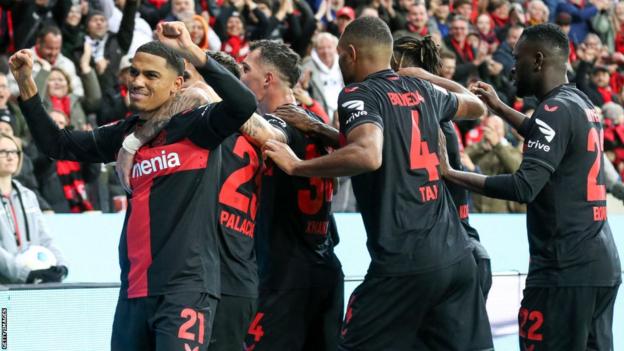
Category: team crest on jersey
[549,133]
[354,105]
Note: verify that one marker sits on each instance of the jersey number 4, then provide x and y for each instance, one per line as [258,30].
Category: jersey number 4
[595,191]
[420,157]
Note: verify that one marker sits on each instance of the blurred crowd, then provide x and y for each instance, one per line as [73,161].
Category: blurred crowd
[83,51]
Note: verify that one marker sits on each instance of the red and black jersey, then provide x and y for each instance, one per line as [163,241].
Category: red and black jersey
[411,223]
[169,241]
[562,179]
[241,168]
[294,237]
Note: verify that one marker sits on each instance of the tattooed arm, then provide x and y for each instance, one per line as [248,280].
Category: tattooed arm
[258,131]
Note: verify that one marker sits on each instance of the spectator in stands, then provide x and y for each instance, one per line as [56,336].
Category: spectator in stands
[504,53]
[492,156]
[564,20]
[485,29]
[491,72]
[63,183]
[47,54]
[248,20]
[30,17]
[11,110]
[344,16]
[581,12]
[22,223]
[201,33]
[614,134]
[617,18]
[56,92]
[286,23]
[418,23]
[181,10]
[367,11]
[463,8]
[598,88]
[113,10]
[467,58]
[441,11]
[499,12]
[537,13]
[325,77]
[448,61]
[236,44]
[116,101]
[73,31]
[108,48]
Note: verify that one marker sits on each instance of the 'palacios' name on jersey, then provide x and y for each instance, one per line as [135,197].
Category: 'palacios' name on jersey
[237,223]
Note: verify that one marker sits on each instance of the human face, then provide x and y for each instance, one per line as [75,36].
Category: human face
[9,157]
[441,12]
[406,4]
[49,47]
[4,90]
[448,68]
[152,82]
[234,26]
[465,10]
[74,15]
[537,12]
[326,51]
[197,31]
[342,22]
[619,11]
[417,16]
[97,26]
[513,36]
[523,70]
[6,128]
[57,84]
[459,30]
[601,79]
[254,73]
[182,8]
[484,24]
[346,63]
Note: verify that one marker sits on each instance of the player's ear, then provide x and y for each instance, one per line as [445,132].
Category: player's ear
[352,52]
[268,78]
[177,84]
[539,61]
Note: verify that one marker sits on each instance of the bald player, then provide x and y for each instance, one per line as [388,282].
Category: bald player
[421,286]
[574,270]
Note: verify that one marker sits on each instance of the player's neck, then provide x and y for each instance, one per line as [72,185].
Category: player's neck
[274,99]
[5,185]
[549,83]
[368,68]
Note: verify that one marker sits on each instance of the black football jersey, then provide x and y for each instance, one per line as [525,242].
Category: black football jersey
[294,235]
[459,194]
[238,207]
[569,237]
[411,223]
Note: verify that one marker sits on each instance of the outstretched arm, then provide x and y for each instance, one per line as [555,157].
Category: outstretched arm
[487,93]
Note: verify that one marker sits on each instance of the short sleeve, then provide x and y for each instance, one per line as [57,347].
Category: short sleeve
[443,102]
[356,106]
[548,134]
[279,124]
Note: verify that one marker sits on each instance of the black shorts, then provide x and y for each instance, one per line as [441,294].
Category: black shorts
[571,319]
[167,322]
[233,316]
[439,310]
[302,319]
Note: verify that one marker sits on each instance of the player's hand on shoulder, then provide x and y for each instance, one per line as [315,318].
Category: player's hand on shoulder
[488,95]
[414,72]
[296,117]
[282,155]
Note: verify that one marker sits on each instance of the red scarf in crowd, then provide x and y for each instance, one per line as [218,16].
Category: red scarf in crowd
[606,94]
[8,17]
[237,47]
[465,52]
[158,3]
[499,22]
[619,40]
[423,32]
[62,104]
[70,175]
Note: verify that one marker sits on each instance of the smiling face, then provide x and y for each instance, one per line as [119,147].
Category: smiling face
[49,47]
[417,16]
[58,86]
[234,26]
[152,82]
